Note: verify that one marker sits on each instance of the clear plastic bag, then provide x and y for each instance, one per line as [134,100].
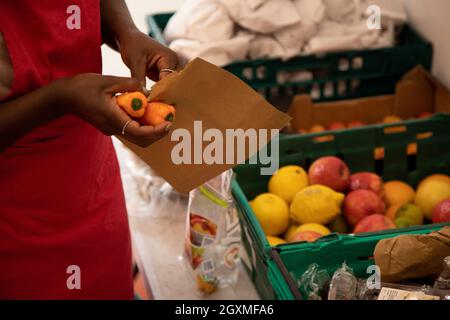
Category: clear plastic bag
[343,285]
[153,197]
[213,235]
[313,282]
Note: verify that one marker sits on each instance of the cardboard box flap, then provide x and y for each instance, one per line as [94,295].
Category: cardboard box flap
[370,110]
[441,95]
[416,93]
[206,97]
[301,112]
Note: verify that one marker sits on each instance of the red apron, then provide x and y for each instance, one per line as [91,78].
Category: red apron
[61,197]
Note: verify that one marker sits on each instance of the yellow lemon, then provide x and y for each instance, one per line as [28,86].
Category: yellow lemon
[274,241]
[287,181]
[272,213]
[316,227]
[317,204]
[439,177]
[429,193]
[398,192]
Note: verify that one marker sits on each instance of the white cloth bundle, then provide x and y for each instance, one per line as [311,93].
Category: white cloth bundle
[224,31]
[268,17]
[294,37]
[220,53]
[202,20]
[264,46]
[333,36]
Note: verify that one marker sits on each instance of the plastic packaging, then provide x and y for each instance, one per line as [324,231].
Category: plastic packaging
[313,282]
[213,235]
[154,196]
[343,285]
[443,281]
[393,291]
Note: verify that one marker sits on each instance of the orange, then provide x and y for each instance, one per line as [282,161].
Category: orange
[316,128]
[392,119]
[398,192]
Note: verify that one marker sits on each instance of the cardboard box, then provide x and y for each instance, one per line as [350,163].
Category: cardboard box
[417,92]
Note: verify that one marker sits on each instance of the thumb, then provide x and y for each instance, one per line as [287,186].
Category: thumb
[121,84]
[164,65]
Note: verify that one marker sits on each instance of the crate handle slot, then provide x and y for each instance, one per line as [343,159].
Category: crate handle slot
[323,138]
[395,130]
[424,135]
[365,258]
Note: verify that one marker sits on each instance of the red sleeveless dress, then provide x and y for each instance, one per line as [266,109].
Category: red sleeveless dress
[61,197]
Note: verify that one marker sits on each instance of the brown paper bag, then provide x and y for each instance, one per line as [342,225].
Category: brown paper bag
[412,256]
[204,92]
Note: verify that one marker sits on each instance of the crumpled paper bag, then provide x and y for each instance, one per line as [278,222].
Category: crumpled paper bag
[412,256]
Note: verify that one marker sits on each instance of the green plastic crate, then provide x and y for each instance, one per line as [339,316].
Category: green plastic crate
[329,254]
[356,147]
[336,75]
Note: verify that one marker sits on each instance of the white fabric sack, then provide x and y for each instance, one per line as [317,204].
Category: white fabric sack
[253,4]
[333,36]
[293,38]
[346,11]
[269,17]
[203,20]
[264,46]
[313,11]
[219,53]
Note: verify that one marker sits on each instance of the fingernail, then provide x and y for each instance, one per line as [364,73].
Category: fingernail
[167,128]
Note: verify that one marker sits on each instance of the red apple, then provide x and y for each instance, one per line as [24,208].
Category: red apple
[362,203]
[336,126]
[374,222]
[441,212]
[309,236]
[331,172]
[424,115]
[355,124]
[367,181]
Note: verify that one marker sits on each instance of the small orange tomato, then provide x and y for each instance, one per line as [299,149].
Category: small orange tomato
[134,103]
[156,113]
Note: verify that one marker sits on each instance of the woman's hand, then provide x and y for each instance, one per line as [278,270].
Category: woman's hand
[143,55]
[146,57]
[91,98]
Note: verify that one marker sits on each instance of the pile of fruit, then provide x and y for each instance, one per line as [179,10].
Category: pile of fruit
[339,125]
[304,206]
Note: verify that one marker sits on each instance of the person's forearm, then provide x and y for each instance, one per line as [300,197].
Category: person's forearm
[117,23]
[21,115]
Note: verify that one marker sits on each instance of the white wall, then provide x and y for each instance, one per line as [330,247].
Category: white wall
[431,19]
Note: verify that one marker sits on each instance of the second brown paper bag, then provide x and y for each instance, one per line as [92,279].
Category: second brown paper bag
[204,92]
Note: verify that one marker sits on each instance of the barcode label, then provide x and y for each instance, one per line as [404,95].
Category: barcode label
[207,241]
[207,266]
